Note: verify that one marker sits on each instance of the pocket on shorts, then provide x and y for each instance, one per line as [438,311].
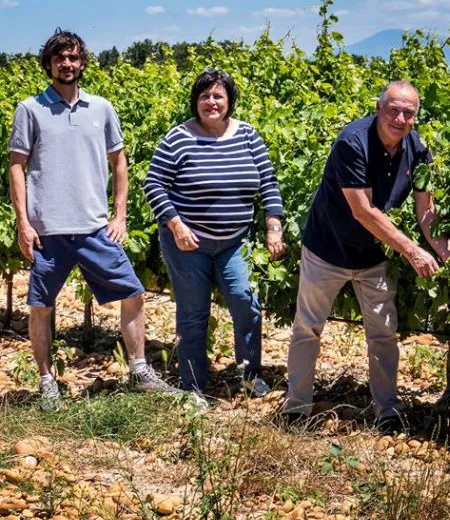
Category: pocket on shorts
[41,265]
[115,249]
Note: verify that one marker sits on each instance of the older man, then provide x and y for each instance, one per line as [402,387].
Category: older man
[369,171]
[62,139]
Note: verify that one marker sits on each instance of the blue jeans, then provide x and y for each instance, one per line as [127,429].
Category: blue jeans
[192,274]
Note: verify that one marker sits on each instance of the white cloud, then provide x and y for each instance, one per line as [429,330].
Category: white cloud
[250,30]
[427,13]
[341,12]
[418,12]
[444,3]
[155,9]
[416,7]
[173,28]
[399,6]
[8,4]
[210,12]
[142,37]
[279,12]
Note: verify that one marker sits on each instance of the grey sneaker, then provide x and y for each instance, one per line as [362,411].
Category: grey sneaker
[149,381]
[257,386]
[50,397]
[200,403]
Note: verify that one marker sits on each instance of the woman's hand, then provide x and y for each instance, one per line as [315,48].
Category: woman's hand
[275,244]
[185,239]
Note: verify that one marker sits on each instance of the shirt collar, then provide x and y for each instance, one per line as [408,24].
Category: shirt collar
[53,96]
[84,96]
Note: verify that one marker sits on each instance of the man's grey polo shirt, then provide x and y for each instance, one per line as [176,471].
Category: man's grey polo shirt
[67,171]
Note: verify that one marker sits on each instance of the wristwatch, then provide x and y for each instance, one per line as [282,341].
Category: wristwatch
[274,228]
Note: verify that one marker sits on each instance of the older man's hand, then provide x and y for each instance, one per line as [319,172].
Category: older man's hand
[423,263]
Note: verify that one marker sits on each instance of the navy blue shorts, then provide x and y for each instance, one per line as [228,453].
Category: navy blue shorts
[103,263]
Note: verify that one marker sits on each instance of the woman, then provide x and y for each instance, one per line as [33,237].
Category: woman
[201,185]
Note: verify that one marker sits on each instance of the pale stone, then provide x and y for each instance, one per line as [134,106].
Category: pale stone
[401,448]
[12,476]
[10,504]
[69,377]
[382,444]
[116,368]
[298,513]
[110,505]
[28,461]
[287,507]
[33,446]
[164,504]
[361,468]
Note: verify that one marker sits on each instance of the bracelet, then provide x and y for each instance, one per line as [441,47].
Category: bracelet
[279,229]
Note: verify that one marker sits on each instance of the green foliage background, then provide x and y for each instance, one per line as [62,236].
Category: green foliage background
[298,104]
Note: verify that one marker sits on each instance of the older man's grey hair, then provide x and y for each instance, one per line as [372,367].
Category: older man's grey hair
[397,83]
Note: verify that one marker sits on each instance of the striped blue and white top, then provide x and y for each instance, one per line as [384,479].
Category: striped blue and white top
[212,184]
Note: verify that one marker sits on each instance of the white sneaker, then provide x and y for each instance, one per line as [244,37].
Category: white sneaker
[257,386]
[199,401]
[50,398]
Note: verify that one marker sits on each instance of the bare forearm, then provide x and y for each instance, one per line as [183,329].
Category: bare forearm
[18,194]
[440,245]
[382,228]
[120,184]
[120,192]
[377,223]
[27,235]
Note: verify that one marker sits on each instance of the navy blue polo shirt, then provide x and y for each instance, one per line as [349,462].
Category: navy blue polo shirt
[359,160]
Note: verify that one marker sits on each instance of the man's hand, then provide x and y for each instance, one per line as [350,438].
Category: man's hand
[28,238]
[185,239]
[117,229]
[275,244]
[423,263]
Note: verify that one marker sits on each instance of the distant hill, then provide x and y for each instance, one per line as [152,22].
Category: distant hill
[380,44]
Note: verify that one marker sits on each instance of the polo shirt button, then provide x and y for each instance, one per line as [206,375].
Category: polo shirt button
[389,174]
[385,154]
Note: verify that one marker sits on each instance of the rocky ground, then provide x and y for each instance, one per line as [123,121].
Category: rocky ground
[323,470]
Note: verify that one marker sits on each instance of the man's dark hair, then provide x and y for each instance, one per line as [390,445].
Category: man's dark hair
[207,78]
[61,40]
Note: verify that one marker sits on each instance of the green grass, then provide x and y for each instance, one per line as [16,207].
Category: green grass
[120,417]
[232,457]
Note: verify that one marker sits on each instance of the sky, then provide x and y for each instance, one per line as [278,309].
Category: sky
[26,24]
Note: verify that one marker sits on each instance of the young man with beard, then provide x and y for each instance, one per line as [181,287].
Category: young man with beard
[62,139]
[369,171]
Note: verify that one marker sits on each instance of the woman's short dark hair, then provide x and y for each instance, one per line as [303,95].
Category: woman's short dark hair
[61,40]
[208,78]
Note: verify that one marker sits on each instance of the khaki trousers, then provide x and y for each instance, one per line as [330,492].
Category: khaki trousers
[320,283]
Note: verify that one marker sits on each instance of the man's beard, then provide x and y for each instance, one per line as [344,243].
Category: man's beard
[68,81]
